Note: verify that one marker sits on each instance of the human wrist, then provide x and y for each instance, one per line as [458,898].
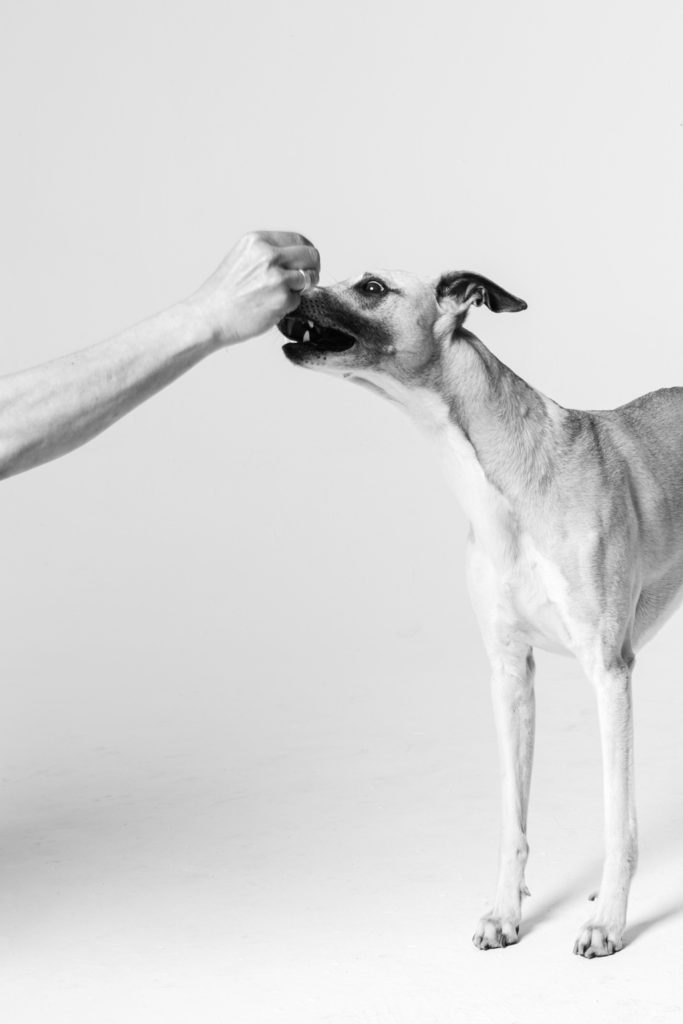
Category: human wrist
[200,325]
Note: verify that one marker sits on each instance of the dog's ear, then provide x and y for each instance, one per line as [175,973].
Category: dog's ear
[466,289]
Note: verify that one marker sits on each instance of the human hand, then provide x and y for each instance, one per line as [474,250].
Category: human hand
[258,282]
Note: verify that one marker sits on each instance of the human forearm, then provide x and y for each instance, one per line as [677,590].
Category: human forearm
[47,411]
[50,410]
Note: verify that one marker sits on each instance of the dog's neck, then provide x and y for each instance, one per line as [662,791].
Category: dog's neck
[512,428]
[498,435]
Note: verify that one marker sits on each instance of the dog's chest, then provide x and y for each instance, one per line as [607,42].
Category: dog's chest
[519,589]
[533,598]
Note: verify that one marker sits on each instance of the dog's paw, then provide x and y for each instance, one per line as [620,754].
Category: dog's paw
[597,940]
[495,932]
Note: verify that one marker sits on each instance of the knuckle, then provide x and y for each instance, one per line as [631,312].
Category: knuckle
[258,245]
[274,279]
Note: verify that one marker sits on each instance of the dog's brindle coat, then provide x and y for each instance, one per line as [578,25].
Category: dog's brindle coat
[576,540]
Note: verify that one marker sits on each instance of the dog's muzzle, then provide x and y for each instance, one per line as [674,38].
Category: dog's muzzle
[314,336]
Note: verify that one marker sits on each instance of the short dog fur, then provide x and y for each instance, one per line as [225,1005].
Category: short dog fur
[576,539]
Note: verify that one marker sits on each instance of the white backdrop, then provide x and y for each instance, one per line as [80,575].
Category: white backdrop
[248,764]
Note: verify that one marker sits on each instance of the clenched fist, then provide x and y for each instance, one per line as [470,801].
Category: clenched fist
[258,282]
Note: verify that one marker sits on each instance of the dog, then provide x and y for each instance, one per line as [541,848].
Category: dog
[576,532]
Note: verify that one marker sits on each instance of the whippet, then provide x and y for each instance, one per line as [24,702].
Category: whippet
[576,537]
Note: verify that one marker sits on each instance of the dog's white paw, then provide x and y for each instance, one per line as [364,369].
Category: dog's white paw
[495,932]
[597,940]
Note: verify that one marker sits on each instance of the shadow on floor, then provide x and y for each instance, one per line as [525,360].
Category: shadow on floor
[574,890]
[579,887]
[636,930]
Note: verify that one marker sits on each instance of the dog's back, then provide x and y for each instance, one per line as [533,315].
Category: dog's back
[656,419]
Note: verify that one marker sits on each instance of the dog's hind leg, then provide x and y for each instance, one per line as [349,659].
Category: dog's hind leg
[602,934]
[512,686]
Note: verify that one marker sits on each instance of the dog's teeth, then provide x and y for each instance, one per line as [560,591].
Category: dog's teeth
[307,336]
[311,324]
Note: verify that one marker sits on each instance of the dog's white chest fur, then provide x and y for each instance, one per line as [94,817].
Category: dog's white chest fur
[533,600]
[507,571]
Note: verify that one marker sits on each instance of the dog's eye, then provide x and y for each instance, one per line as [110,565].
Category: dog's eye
[373,286]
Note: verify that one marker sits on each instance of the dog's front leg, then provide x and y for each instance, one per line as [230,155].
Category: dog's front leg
[603,932]
[512,685]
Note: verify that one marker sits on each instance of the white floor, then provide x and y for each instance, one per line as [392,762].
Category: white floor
[321,854]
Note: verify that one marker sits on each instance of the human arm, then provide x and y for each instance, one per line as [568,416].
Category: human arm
[51,409]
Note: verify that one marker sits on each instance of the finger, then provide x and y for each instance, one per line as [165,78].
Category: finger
[292,301]
[306,257]
[283,238]
[298,280]
[301,257]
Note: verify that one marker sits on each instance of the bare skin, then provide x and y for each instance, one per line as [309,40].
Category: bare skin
[51,409]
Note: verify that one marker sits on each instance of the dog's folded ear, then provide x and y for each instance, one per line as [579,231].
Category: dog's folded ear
[466,289]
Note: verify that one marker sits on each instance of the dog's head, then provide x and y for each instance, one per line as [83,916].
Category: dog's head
[390,331]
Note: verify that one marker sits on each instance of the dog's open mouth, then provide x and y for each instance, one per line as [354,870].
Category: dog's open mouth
[319,337]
